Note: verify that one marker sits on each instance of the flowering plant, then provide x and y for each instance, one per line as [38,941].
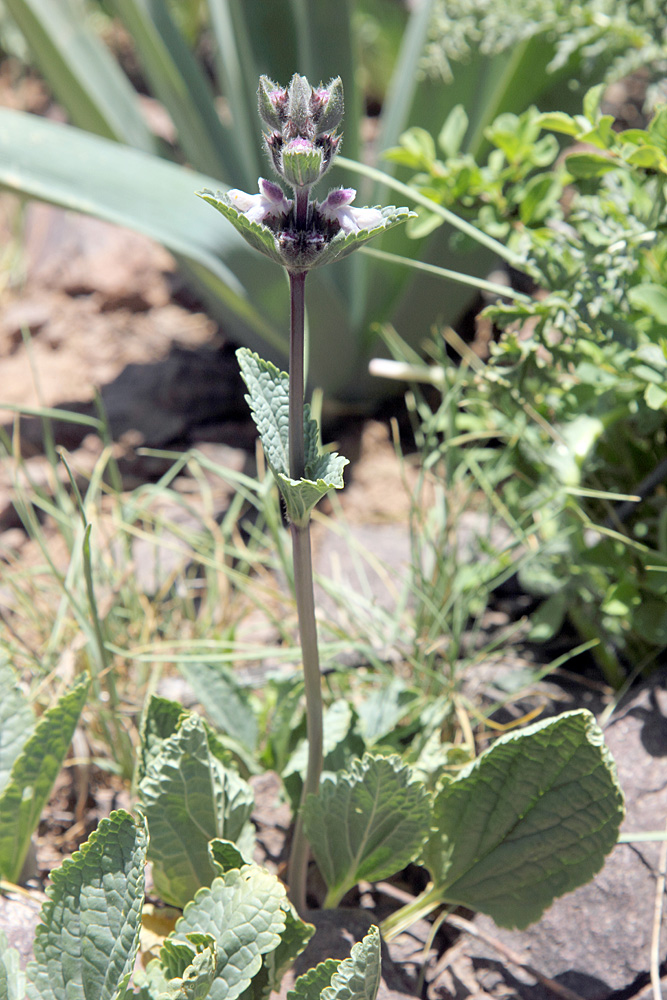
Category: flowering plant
[301,140]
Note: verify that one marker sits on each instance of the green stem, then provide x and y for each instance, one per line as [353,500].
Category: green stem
[418,909]
[305,602]
[305,598]
[297,459]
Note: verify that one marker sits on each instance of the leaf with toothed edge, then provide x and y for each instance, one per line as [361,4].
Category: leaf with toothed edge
[12,978]
[529,820]
[268,398]
[244,912]
[355,978]
[366,823]
[86,944]
[189,798]
[32,775]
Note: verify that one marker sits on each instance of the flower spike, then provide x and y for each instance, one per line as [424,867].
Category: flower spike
[302,142]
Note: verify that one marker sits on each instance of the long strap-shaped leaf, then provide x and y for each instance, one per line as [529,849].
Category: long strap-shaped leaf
[81,71]
[178,82]
[68,167]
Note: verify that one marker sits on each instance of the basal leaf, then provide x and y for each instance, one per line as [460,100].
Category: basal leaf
[160,721]
[275,963]
[243,912]
[189,798]
[529,820]
[32,776]
[366,823]
[196,982]
[380,713]
[358,977]
[188,968]
[337,722]
[268,398]
[12,978]
[226,702]
[225,855]
[17,721]
[310,985]
[87,942]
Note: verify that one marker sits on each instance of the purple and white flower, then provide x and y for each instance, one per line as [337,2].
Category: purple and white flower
[337,208]
[267,206]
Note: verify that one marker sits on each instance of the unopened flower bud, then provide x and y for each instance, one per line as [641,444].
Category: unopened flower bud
[299,117]
[272,102]
[302,163]
[327,106]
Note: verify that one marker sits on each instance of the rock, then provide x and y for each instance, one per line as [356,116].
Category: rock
[19,916]
[81,255]
[597,939]
[335,933]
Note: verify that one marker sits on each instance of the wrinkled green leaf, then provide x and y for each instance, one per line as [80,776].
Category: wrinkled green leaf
[160,721]
[310,985]
[337,719]
[226,702]
[268,398]
[12,978]
[225,855]
[366,823]
[87,942]
[32,776]
[275,963]
[243,912]
[188,968]
[17,721]
[358,977]
[189,798]
[381,712]
[529,820]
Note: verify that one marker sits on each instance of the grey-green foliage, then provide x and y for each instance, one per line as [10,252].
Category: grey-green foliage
[28,786]
[366,823]
[244,913]
[355,978]
[268,398]
[17,721]
[190,797]
[86,943]
[634,34]
[227,703]
[12,977]
[529,820]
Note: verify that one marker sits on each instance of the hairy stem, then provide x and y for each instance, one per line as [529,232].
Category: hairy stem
[303,582]
[297,283]
[305,599]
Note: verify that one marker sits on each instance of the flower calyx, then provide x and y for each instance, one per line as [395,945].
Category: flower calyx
[335,228]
